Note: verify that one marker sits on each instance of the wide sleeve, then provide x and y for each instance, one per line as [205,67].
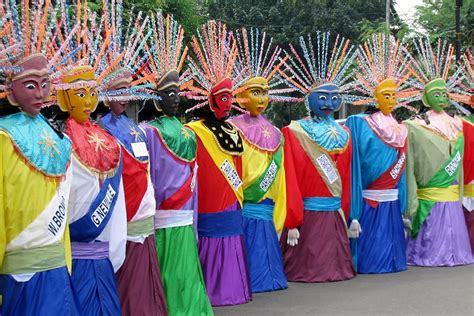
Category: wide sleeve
[346,164]
[118,231]
[461,175]
[279,192]
[402,192]
[67,237]
[354,125]
[3,229]
[411,185]
[294,199]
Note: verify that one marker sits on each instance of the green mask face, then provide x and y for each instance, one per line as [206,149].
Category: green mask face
[435,95]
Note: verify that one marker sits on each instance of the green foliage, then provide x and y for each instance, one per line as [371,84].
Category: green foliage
[287,20]
[281,114]
[437,17]
[187,12]
[402,114]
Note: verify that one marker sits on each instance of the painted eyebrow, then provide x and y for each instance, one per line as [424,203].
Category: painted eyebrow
[30,80]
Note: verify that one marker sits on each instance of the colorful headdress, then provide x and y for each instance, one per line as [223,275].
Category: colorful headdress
[465,80]
[434,64]
[32,33]
[323,62]
[261,63]
[166,53]
[380,59]
[216,52]
[101,47]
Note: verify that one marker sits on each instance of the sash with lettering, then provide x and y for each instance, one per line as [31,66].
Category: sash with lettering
[91,225]
[255,191]
[135,171]
[323,163]
[389,179]
[223,161]
[443,178]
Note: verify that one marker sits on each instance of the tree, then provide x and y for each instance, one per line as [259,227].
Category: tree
[436,17]
[286,20]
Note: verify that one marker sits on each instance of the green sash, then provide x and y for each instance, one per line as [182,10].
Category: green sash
[442,179]
[34,259]
[256,191]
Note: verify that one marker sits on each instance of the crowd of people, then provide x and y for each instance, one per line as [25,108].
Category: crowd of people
[108,216]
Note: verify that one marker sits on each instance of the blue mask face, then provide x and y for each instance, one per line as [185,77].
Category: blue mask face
[324,101]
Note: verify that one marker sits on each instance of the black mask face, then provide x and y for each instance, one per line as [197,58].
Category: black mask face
[169,101]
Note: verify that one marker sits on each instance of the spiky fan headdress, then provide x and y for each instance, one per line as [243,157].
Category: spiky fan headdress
[111,56]
[326,60]
[435,62]
[259,58]
[215,53]
[381,58]
[33,30]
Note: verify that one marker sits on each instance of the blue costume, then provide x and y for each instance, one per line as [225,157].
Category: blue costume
[379,192]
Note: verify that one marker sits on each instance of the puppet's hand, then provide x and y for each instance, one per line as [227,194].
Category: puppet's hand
[354,229]
[293,236]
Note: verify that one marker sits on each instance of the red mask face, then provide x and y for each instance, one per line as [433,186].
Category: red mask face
[30,88]
[221,105]
[220,100]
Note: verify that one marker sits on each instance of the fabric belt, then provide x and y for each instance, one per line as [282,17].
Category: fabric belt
[449,194]
[173,218]
[33,260]
[381,195]
[90,250]
[469,190]
[261,211]
[222,224]
[143,227]
[322,204]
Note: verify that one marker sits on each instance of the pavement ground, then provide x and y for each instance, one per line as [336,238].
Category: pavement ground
[417,291]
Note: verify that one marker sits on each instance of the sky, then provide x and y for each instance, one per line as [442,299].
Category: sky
[406,9]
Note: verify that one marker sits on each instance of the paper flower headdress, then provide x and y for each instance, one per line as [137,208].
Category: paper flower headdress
[33,32]
[464,80]
[213,65]
[322,60]
[433,66]
[165,53]
[380,59]
[113,57]
[260,61]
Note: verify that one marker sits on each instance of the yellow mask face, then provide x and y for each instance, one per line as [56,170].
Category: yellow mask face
[80,102]
[256,96]
[385,96]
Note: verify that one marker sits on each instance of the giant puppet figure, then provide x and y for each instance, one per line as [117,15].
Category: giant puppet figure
[138,280]
[35,175]
[173,171]
[465,94]
[439,235]
[264,206]
[378,185]
[318,153]
[219,156]
[97,213]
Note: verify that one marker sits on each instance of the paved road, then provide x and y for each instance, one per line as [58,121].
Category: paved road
[418,291]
